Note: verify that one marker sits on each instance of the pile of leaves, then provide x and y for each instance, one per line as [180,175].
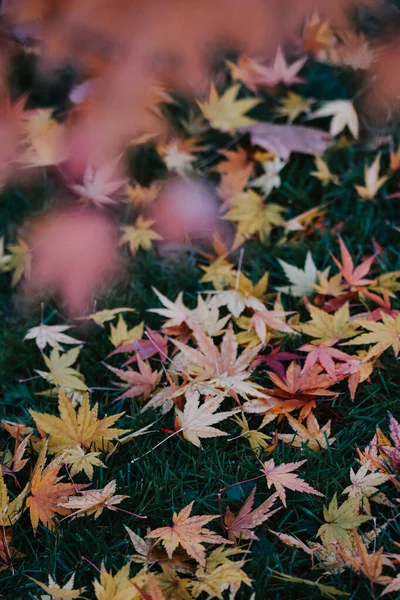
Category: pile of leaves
[234,414]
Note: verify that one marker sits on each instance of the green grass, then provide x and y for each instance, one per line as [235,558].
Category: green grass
[176,473]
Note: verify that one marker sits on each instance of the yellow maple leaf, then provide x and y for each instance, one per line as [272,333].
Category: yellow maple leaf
[294,105]
[66,592]
[10,511]
[139,235]
[120,334]
[383,335]
[340,521]
[373,182]
[226,112]
[257,439]
[120,586]
[323,172]
[61,373]
[108,314]
[253,216]
[142,196]
[80,427]
[19,260]
[326,327]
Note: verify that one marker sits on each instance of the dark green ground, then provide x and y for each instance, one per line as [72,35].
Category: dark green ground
[177,472]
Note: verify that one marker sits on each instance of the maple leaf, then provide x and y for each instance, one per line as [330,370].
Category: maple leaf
[121,335]
[61,372]
[241,525]
[264,321]
[119,586]
[47,494]
[195,420]
[343,113]
[206,316]
[19,261]
[188,532]
[365,485]
[257,439]
[103,316]
[253,74]
[44,140]
[252,215]
[369,565]
[139,235]
[281,72]
[354,277]
[304,221]
[142,196]
[373,182]
[383,335]
[245,295]
[234,160]
[214,582]
[295,390]
[92,502]
[80,427]
[293,106]
[139,383]
[302,280]
[56,592]
[340,521]
[324,355]
[10,511]
[172,585]
[393,586]
[176,312]
[78,461]
[325,327]
[318,36]
[323,172]
[98,185]
[283,139]
[282,476]
[18,460]
[270,179]
[53,335]
[226,112]
[312,436]
[178,154]
[221,367]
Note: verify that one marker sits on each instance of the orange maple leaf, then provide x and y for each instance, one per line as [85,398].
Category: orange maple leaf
[189,533]
[46,495]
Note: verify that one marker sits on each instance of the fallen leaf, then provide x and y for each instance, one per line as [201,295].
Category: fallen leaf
[241,525]
[285,139]
[281,477]
[188,532]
